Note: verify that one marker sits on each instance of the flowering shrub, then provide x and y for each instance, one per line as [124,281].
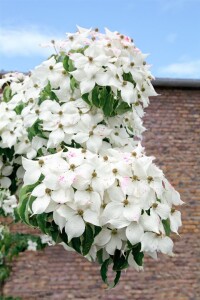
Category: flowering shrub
[70,135]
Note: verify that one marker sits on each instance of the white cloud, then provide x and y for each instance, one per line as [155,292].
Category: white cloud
[23,42]
[182,69]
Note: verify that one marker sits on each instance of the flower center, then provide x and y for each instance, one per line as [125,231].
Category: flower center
[150,179]
[48,191]
[155,205]
[41,162]
[115,171]
[94,174]
[125,202]
[80,212]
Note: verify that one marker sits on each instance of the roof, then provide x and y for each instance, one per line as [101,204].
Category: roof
[177,83]
[169,82]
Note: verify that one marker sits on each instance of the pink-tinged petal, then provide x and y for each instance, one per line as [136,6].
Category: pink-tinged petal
[74,227]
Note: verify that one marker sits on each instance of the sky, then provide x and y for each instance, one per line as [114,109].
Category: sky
[166,29]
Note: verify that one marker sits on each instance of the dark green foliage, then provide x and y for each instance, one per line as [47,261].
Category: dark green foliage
[137,254]
[103,97]
[88,238]
[104,271]
[47,93]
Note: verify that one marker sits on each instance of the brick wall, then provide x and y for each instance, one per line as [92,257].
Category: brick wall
[173,137]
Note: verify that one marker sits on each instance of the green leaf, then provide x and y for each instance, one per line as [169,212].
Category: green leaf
[108,106]
[119,261]
[25,203]
[71,65]
[36,130]
[95,97]
[137,254]
[64,237]
[166,225]
[104,271]
[103,94]
[100,256]
[7,153]
[42,222]
[85,97]
[65,63]
[73,83]
[4,272]
[97,230]
[129,77]
[76,244]
[7,94]
[122,108]
[18,109]
[47,93]
[88,239]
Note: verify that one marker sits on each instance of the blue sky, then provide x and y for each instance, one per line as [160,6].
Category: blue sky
[166,29]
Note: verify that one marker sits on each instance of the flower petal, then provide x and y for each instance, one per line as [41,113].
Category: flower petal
[134,233]
[40,204]
[74,227]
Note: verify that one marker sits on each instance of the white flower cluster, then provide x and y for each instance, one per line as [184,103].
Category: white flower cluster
[79,116]
[7,203]
[123,192]
[5,171]
[106,68]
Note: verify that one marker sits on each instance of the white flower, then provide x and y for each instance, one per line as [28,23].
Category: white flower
[5,171]
[122,206]
[111,239]
[175,220]
[32,246]
[9,205]
[156,242]
[46,239]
